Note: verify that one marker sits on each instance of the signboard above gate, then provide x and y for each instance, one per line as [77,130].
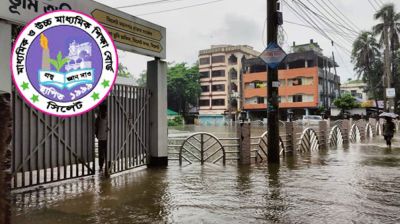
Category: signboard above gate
[129,32]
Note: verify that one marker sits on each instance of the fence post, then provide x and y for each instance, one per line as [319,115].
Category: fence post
[290,138]
[244,133]
[323,134]
[345,128]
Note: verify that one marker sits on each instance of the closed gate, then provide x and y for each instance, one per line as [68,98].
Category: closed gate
[128,137]
[46,149]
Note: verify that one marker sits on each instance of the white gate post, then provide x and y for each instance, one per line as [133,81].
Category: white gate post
[157,83]
[5,46]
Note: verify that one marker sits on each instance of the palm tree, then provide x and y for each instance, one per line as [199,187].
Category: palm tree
[366,58]
[388,30]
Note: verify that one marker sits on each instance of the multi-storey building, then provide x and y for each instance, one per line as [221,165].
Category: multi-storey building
[307,83]
[356,88]
[220,78]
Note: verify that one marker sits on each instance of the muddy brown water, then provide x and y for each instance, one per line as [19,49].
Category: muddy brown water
[359,183]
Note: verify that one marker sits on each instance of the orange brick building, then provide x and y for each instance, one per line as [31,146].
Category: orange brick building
[307,82]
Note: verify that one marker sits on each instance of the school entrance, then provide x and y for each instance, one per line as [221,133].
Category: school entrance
[48,149]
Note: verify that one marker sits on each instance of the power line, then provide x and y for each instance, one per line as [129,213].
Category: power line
[343,17]
[323,18]
[176,9]
[308,26]
[148,3]
[315,26]
[301,5]
[378,4]
[340,25]
[373,6]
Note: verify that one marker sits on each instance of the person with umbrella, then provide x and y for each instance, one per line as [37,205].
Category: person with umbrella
[388,127]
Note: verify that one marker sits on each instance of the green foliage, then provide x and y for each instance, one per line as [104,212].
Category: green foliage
[183,87]
[388,29]
[176,121]
[142,79]
[123,71]
[59,62]
[346,102]
[366,57]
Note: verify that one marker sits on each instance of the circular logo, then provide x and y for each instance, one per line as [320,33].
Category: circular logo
[64,63]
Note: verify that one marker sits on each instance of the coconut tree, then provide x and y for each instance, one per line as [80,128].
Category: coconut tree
[366,57]
[388,30]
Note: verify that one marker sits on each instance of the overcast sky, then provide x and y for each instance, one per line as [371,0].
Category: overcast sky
[239,22]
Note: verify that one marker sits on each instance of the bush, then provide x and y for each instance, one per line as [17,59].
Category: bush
[176,121]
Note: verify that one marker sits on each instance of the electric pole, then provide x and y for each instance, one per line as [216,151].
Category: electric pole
[272,92]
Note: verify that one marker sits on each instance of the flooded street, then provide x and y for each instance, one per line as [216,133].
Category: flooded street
[356,184]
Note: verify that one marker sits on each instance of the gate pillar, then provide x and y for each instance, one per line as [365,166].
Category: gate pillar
[5,46]
[157,83]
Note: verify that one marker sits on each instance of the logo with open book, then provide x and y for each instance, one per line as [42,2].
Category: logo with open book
[64,63]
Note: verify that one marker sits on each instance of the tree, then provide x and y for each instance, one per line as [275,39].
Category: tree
[183,87]
[141,81]
[123,71]
[388,30]
[367,64]
[346,102]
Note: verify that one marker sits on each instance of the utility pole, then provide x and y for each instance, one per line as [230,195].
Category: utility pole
[272,93]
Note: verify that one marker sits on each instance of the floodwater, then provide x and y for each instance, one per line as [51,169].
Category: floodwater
[359,183]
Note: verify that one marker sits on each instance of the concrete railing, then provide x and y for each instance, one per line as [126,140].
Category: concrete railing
[294,138]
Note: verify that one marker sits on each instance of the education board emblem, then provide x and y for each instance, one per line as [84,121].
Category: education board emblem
[64,63]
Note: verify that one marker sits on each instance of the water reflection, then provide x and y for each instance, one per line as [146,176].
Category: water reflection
[357,183]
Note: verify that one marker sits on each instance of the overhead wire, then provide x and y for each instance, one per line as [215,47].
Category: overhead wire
[148,3]
[379,4]
[329,22]
[373,6]
[308,26]
[180,8]
[315,26]
[342,16]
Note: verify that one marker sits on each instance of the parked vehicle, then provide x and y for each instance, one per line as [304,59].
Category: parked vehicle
[311,119]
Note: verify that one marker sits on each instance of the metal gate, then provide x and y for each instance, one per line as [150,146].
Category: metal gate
[48,149]
[128,137]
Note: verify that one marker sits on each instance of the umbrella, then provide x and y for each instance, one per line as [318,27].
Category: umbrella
[387,114]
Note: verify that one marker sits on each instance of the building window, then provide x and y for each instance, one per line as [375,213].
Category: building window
[234,87]
[204,75]
[232,60]
[233,74]
[296,82]
[218,102]
[204,103]
[259,85]
[282,82]
[205,89]
[260,100]
[218,88]
[218,59]
[218,73]
[297,98]
[204,61]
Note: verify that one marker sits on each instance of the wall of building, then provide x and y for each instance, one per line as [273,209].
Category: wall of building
[227,87]
[294,83]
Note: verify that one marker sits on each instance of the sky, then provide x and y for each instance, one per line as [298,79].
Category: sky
[242,22]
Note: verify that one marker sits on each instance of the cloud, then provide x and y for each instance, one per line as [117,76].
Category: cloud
[237,29]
